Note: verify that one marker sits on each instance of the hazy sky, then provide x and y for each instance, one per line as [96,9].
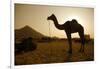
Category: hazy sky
[36,17]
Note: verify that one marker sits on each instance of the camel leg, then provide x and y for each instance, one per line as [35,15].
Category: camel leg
[70,43]
[81,34]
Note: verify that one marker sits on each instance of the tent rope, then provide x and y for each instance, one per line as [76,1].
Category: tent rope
[49,30]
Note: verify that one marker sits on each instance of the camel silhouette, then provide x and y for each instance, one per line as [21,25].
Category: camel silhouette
[70,27]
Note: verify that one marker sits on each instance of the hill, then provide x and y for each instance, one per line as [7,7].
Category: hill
[26,32]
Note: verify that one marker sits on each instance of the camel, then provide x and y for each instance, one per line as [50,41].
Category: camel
[70,27]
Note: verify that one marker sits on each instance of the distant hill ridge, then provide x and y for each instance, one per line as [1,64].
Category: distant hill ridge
[26,32]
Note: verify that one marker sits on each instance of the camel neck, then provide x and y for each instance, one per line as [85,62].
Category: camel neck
[57,25]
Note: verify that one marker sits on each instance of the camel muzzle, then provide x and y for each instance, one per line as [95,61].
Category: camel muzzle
[48,18]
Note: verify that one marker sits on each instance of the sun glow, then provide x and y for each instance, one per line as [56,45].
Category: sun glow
[79,19]
[73,17]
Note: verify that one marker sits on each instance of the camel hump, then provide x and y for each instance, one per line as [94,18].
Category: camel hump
[74,21]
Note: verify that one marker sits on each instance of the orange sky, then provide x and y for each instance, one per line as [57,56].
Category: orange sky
[36,17]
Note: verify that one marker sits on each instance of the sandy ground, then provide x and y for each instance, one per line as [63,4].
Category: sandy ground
[55,52]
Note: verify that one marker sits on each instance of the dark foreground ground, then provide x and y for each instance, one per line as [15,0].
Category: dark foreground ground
[55,52]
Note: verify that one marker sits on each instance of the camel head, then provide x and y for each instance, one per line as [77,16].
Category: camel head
[51,17]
